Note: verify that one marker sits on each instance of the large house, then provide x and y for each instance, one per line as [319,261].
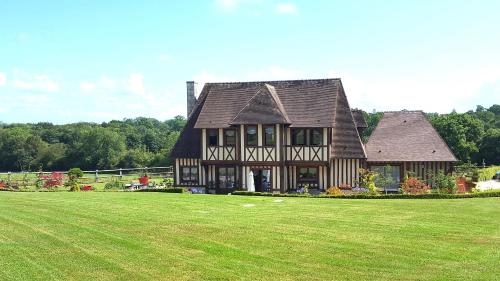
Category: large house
[282,135]
[279,136]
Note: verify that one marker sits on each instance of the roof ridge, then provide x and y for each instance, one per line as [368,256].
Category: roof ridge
[273,81]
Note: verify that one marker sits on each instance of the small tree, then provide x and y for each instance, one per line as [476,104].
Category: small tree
[74,174]
[385,179]
[367,180]
[444,183]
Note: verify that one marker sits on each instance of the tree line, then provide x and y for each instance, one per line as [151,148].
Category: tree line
[473,136]
[129,143]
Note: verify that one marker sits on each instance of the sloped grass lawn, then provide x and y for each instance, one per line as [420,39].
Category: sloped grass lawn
[153,236]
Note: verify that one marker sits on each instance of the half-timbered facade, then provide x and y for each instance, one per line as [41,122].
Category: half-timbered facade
[280,135]
[408,143]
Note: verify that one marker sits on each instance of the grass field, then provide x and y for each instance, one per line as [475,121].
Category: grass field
[152,236]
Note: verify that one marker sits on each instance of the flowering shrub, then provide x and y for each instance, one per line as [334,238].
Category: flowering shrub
[413,185]
[52,180]
[334,191]
[367,179]
[2,185]
[87,188]
[345,186]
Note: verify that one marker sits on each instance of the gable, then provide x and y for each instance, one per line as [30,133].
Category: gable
[264,107]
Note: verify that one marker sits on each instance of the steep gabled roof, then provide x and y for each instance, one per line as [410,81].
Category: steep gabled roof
[359,119]
[264,107]
[297,103]
[346,142]
[307,103]
[406,136]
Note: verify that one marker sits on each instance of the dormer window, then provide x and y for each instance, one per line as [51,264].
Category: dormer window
[212,137]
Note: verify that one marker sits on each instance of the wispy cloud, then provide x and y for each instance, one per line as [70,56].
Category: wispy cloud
[37,83]
[286,8]
[3,79]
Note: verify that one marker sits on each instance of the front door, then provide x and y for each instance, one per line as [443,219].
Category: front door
[262,180]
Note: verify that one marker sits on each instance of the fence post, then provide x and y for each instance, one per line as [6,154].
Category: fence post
[8,177]
[96,175]
[121,174]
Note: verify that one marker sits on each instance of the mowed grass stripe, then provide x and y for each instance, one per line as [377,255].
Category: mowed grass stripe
[141,236]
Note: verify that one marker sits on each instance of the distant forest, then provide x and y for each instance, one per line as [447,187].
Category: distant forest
[146,142]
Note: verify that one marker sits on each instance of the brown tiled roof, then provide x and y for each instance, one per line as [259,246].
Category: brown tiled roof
[308,103]
[264,107]
[302,103]
[346,142]
[359,119]
[188,144]
[406,136]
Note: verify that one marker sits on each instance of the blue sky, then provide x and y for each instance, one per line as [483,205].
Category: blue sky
[67,61]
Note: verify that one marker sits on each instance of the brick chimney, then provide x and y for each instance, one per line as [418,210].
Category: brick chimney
[191,96]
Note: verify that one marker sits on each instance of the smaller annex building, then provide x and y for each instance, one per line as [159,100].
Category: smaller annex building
[407,141]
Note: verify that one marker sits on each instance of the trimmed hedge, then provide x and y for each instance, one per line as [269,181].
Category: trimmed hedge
[381,196]
[165,190]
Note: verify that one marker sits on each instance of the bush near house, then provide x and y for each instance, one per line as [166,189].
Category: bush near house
[412,185]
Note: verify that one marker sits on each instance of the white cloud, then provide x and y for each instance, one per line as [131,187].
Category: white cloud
[286,8]
[34,100]
[87,86]
[3,79]
[38,83]
[438,89]
[135,84]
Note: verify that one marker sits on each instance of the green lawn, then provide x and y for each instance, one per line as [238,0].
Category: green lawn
[153,236]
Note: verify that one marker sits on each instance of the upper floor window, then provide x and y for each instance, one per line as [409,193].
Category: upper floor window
[229,137]
[316,137]
[251,135]
[298,137]
[269,136]
[213,137]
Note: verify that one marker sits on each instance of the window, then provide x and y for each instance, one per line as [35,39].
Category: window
[189,175]
[298,137]
[308,174]
[229,137]
[252,135]
[226,177]
[316,137]
[213,139]
[269,136]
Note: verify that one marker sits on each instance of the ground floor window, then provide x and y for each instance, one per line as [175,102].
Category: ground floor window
[391,176]
[189,175]
[307,175]
[227,178]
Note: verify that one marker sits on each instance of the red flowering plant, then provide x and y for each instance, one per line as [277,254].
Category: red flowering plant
[412,185]
[52,180]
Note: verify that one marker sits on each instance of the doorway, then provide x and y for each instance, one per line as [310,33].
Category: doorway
[262,180]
